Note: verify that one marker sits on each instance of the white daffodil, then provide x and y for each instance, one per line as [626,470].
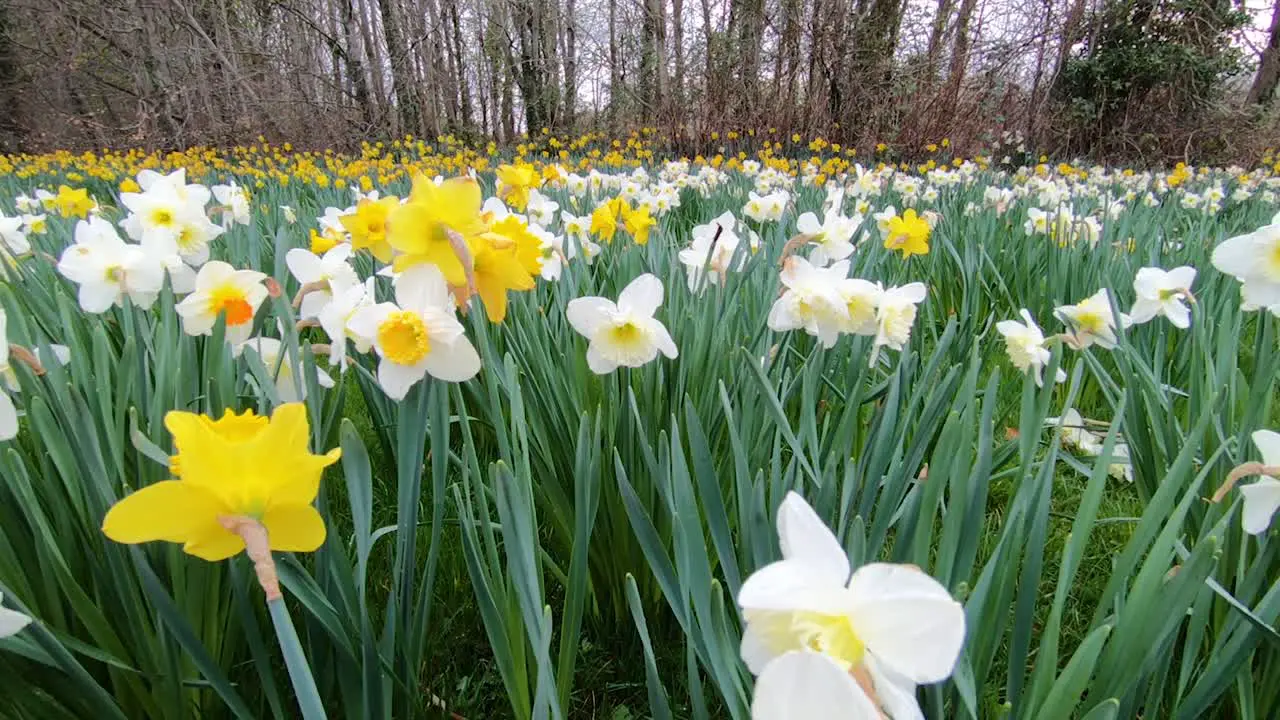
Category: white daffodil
[162,212]
[222,290]
[811,300]
[319,274]
[1262,497]
[1163,293]
[11,621]
[895,315]
[13,240]
[810,685]
[26,204]
[1092,321]
[1254,260]
[417,335]
[708,258]
[830,237]
[234,201]
[335,319]
[541,209]
[108,269]
[861,301]
[888,626]
[274,356]
[35,224]
[552,248]
[625,333]
[1024,341]
[1037,222]
[766,208]
[289,215]
[8,413]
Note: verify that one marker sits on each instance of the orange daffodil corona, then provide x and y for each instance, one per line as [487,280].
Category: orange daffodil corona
[237,467]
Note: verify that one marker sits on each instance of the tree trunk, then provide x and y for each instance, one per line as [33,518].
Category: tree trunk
[402,85]
[571,63]
[1264,83]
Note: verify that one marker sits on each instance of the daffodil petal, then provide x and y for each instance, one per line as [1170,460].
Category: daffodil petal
[811,686]
[294,528]
[171,510]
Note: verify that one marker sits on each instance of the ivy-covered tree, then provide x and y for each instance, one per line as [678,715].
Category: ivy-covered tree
[1168,56]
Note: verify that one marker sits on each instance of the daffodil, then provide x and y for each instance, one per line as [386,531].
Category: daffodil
[435,225]
[1092,321]
[239,466]
[830,237]
[908,233]
[275,357]
[8,412]
[234,202]
[1262,497]
[604,219]
[13,240]
[895,315]
[638,222]
[221,290]
[1254,260]
[515,182]
[108,269]
[418,335]
[498,267]
[335,318]
[625,333]
[319,275]
[1024,341]
[1162,293]
[811,300]
[71,202]
[888,627]
[368,226]
[12,622]
[710,257]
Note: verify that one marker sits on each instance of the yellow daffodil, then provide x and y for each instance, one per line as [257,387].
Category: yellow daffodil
[498,268]
[909,233]
[638,222]
[420,228]
[368,226]
[604,222]
[529,250]
[322,243]
[71,202]
[240,466]
[515,182]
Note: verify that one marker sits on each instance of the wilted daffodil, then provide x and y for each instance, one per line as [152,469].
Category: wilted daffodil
[885,627]
[435,225]
[226,471]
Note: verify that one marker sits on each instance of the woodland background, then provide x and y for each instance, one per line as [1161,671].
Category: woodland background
[1147,81]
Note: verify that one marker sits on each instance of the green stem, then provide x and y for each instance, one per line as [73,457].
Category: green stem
[304,685]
